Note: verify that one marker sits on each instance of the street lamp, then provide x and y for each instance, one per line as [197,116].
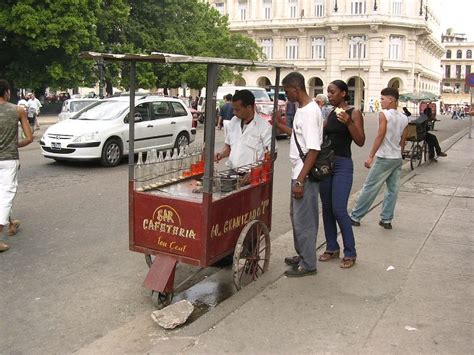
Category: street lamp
[359,41]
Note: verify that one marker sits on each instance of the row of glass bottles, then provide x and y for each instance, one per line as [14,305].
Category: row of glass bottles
[164,168]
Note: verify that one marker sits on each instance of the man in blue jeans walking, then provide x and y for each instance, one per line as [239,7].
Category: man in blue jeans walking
[387,148]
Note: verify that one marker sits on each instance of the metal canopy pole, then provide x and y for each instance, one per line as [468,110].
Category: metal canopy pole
[131,156]
[210,130]
[470,110]
[275,114]
[131,124]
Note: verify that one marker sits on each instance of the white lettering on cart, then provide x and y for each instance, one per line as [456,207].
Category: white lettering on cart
[166,220]
[239,221]
[172,246]
[150,225]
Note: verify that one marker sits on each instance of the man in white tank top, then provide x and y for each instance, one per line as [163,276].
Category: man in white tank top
[387,148]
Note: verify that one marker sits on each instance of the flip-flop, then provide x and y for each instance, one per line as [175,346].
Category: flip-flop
[16,224]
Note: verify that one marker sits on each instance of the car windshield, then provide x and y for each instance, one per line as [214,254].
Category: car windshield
[103,111]
[76,106]
[260,95]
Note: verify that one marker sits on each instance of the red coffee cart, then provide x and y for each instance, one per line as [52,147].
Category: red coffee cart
[189,218]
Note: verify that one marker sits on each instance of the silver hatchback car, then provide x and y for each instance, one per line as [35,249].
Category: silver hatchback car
[72,106]
[100,131]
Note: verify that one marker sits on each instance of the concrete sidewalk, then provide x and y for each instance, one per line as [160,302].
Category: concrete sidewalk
[424,304]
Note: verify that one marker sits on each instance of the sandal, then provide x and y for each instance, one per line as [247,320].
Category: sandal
[3,246]
[13,227]
[328,255]
[347,263]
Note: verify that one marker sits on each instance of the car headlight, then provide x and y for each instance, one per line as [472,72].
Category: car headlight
[265,109]
[88,137]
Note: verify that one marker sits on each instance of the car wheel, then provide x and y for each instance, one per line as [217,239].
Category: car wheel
[111,153]
[182,141]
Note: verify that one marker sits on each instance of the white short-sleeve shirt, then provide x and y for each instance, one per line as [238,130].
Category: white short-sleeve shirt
[308,127]
[396,123]
[248,143]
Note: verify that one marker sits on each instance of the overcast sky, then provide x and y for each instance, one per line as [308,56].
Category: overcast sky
[459,15]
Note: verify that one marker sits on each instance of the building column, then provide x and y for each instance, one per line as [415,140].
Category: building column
[373,78]
[334,53]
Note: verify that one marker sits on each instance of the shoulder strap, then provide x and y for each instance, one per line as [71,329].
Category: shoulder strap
[302,156]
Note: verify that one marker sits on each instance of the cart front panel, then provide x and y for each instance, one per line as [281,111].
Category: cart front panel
[167,225]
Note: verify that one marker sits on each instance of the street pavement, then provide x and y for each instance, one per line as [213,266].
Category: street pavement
[410,292]
[69,278]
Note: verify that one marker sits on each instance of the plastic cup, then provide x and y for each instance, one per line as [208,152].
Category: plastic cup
[201,166]
[195,169]
[255,175]
[266,171]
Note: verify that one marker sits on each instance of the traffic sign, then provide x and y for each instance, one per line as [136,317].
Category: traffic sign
[470,80]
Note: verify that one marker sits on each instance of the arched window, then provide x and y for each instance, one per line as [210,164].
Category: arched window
[448,53]
[469,54]
[459,54]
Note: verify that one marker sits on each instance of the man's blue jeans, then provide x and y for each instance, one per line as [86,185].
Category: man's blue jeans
[334,192]
[383,171]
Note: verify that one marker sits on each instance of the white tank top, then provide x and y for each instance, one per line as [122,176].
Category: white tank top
[396,123]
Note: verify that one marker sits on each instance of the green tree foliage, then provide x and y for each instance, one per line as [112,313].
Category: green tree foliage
[186,27]
[40,40]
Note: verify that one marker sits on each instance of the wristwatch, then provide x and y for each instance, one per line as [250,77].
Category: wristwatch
[299,183]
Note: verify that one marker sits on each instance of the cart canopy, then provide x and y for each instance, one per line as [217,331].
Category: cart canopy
[160,57]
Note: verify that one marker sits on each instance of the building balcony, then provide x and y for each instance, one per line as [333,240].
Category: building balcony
[305,64]
[403,65]
[427,72]
[363,64]
[454,78]
[342,20]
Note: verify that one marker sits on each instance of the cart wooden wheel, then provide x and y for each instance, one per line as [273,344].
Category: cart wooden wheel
[161,299]
[252,253]
[415,156]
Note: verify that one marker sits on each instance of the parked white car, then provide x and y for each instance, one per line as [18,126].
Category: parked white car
[72,106]
[100,131]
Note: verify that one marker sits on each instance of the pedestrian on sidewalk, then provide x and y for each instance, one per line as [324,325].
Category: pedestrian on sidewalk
[290,110]
[343,125]
[226,113]
[308,131]
[10,114]
[34,107]
[387,148]
[322,102]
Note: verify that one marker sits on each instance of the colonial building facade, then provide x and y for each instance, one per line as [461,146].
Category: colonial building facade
[456,65]
[369,44]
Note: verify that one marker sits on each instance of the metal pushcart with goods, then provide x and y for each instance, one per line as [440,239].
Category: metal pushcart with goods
[199,217]
[418,150]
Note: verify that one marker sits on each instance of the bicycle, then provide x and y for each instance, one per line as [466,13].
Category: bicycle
[419,148]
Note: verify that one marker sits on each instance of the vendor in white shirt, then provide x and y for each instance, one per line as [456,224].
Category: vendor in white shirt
[247,134]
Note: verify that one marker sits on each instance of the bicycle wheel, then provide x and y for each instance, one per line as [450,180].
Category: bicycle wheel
[415,156]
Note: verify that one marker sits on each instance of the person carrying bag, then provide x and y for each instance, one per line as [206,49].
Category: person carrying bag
[324,165]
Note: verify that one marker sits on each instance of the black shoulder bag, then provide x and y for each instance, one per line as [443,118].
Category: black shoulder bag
[324,165]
